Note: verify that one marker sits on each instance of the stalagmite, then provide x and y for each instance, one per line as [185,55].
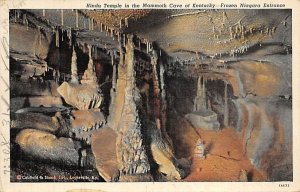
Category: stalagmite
[74,75]
[89,76]
[129,163]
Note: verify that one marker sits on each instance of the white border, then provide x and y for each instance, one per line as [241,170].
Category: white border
[5,184]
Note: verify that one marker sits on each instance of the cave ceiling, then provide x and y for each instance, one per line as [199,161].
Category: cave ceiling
[183,34]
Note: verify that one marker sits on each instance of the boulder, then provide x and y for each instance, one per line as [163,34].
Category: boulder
[104,150]
[41,122]
[43,146]
[204,119]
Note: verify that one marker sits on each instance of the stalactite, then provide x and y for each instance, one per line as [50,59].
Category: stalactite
[147,45]
[24,18]
[77,18]
[114,76]
[62,35]
[40,35]
[126,21]
[44,12]
[92,22]
[57,37]
[18,14]
[204,93]
[101,27]
[225,106]
[69,33]
[84,23]
[96,52]
[139,44]
[224,16]
[124,40]
[15,15]
[62,17]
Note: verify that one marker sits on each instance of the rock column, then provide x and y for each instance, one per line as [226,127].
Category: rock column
[131,153]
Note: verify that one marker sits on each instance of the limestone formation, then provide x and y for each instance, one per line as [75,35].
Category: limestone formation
[89,77]
[47,147]
[80,96]
[104,150]
[131,153]
[88,95]
[74,75]
[204,119]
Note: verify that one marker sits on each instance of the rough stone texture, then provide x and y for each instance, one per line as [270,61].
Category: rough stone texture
[137,178]
[118,97]
[131,153]
[47,147]
[165,159]
[265,127]
[36,101]
[85,122]
[104,149]
[34,88]
[28,40]
[34,121]
[204,119]
[82,97]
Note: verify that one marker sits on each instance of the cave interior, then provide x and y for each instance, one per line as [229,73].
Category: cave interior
[151,95]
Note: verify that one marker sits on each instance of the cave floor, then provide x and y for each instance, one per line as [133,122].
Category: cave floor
[224,161]
[225,155]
